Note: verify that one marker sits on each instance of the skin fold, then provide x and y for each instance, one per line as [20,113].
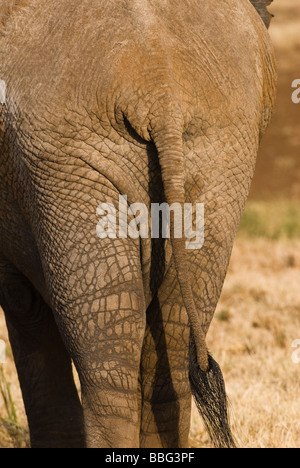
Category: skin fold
[157,100]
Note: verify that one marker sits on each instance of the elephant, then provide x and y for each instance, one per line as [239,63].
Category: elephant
[156,101]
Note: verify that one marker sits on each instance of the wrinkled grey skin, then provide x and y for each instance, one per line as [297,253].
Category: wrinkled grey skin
[152,99]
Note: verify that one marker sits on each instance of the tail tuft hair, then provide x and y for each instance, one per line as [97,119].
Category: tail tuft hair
[208,389]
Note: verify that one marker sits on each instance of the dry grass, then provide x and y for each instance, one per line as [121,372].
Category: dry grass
[256,322]
[271,220]
[13,423]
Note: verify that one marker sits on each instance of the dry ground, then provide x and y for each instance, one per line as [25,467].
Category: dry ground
[258,317]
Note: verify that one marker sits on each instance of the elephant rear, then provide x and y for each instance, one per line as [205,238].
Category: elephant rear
[107,100]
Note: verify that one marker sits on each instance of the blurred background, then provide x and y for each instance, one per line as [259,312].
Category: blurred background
[273,207]
[258,317]
[278,168]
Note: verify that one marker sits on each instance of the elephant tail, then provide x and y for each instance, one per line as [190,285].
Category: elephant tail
[205,376]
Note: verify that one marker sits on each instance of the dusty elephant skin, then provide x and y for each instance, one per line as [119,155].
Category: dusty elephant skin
[156,100]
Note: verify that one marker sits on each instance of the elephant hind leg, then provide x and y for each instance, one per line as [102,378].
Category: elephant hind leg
[108,364]
[44,368]
[166,396]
